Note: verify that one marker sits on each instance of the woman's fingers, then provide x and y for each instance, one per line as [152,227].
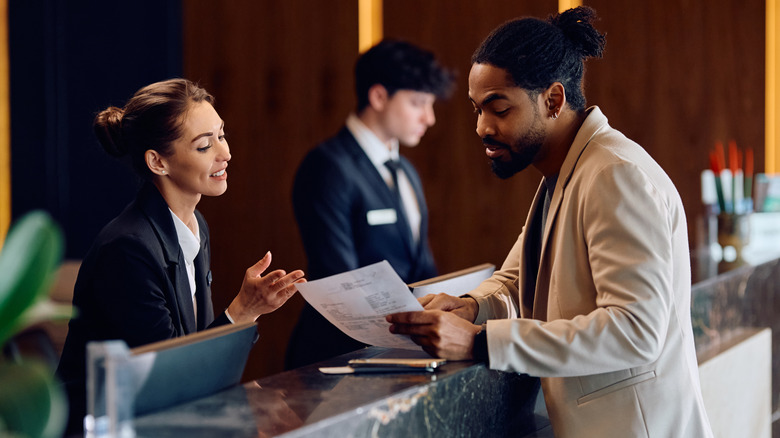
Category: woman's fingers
[280,280]
[258,268]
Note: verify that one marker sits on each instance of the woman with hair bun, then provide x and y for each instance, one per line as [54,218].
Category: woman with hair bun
[146,277]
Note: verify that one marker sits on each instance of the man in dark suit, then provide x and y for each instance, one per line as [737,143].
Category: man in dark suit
[356,200]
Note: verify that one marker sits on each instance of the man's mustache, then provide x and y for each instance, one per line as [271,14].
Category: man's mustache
[487,141]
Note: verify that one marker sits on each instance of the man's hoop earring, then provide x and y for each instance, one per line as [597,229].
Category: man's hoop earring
[554,115]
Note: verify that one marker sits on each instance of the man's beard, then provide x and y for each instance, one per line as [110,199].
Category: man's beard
[521,154]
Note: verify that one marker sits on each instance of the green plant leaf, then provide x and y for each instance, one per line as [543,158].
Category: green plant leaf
[44,310]
[32,403]
[31,253]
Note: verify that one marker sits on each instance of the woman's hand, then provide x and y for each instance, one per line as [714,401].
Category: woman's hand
[263,294]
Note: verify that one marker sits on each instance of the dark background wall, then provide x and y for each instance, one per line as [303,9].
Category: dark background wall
[68,61]
[676,77]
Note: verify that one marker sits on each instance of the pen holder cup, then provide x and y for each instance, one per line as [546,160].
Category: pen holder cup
[733,236]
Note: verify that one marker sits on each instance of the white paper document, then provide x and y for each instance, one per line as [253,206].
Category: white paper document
[357,302]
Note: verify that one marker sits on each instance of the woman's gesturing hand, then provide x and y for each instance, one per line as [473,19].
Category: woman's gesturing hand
[261,294]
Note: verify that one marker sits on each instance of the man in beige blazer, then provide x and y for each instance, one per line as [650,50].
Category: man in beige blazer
[594,297]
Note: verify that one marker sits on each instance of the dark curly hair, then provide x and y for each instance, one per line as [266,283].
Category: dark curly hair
[539,52]
[398,65]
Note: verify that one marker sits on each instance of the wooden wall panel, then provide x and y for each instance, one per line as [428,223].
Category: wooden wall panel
[281,72]
[678,76]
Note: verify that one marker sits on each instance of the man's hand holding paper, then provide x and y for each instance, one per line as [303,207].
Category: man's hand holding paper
[440,333]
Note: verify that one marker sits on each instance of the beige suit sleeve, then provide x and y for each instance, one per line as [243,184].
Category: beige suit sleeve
[498,295]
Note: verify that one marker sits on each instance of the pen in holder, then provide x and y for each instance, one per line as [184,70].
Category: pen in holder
[733,236]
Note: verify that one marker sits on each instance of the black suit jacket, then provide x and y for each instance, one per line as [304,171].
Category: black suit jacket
[335,188]
[133,286]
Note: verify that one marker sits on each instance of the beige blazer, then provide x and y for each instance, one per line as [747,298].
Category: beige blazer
[607,326]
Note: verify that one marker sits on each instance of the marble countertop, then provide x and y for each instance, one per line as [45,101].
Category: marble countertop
[460,399]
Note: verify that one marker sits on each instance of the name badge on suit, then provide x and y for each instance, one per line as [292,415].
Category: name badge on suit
[384,216]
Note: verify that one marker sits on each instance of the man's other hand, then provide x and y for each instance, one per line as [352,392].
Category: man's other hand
[441,334]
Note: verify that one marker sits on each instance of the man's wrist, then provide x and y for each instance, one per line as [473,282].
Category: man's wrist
[480,351]
[473,306]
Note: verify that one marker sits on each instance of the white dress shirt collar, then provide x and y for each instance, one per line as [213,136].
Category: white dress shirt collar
[189,242]
[376,150]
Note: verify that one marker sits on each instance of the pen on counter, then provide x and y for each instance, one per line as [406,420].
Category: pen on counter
[736,184]
[749,178]
[739,191]
[709,193]
[716,176]
[723,177]
[727,182]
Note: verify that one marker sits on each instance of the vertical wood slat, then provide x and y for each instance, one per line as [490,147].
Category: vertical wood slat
[5,126]
[772,134]
[370,19]
[568,4]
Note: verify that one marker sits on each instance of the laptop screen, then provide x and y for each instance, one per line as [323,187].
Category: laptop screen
[189,367]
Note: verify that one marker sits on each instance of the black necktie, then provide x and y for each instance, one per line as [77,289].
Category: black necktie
[395,166]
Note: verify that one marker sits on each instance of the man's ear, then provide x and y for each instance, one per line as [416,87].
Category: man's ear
[378,97]
[156,162]
[554,99]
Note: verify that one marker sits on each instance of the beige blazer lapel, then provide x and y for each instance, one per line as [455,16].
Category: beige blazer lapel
[589,129]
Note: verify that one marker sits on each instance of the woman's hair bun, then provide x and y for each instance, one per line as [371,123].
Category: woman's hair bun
[108,129]
[576,25]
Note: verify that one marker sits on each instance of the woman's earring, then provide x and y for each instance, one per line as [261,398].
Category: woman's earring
[163,172]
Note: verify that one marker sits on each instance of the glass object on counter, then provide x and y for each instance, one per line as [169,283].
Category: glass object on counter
[733,237]
[110,391]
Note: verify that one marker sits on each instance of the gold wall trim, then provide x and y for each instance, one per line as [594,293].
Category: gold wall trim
[568,4]
[369,23]
[772,158]
[5,126]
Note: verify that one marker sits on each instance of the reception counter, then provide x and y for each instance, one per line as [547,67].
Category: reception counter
[460,399]
[467,399]
[727,306]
